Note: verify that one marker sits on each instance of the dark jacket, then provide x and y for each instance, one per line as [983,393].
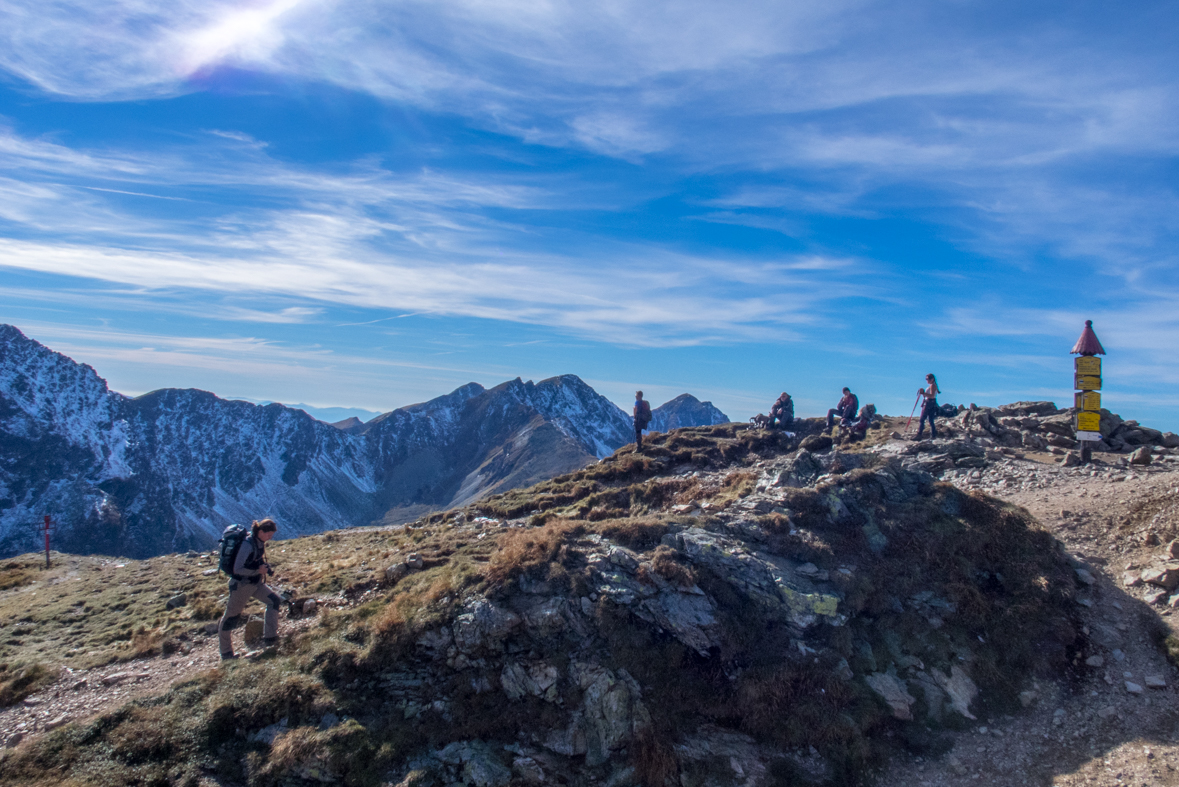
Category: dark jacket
[848,406]
[251,558]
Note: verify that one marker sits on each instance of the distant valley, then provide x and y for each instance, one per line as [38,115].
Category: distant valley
[166,471]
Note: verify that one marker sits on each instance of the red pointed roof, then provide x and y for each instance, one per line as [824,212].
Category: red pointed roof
[1088,344]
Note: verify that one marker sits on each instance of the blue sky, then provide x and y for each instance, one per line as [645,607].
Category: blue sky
[366,204]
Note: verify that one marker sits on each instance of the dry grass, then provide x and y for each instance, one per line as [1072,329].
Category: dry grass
[1171,648]
[19,679]
[529,550]
[653,759]
[669,564]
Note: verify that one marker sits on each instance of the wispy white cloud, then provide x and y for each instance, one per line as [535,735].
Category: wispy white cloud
[421,242]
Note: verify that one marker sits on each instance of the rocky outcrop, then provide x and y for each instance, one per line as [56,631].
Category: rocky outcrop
[1042,426]
[823,577]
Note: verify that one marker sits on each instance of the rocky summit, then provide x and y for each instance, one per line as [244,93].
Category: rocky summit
[724,608]
[167,471]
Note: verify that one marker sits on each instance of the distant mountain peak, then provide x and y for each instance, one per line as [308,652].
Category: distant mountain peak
[166,471]
[685,410]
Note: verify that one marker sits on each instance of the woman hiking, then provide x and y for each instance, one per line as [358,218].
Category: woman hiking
[249,570]
[929,408]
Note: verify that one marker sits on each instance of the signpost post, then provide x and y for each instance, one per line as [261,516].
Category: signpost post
[45,528]
[1087,387]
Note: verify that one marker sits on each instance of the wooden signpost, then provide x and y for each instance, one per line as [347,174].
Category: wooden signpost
[1087,387]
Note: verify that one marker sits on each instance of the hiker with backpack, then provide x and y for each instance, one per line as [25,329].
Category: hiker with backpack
[929,408]
[642,416]
[846,410]
[243,558]
[782,413]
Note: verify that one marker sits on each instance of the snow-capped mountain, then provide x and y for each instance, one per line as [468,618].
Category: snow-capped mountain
[168,470]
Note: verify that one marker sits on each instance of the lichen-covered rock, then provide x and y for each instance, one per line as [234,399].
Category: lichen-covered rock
[612,710]
[771,581]
[483,626]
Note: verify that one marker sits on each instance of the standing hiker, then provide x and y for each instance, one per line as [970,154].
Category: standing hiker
[642,416]
[846,409]
[246,582]
[929,408]
[782,413]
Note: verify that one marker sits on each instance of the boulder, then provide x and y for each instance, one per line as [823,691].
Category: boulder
[800,470]
[309,606]
[1061,441]
[1034,442]
[1166,577]
[528,770]
[894,694]
[687,614]
[414,561]
[395,572]
[1071,459]
[537,680]
[612,710]
[1061,425]
[1173,549]
[959,687]
[64,719]
[549,617]
[1029,408]
[178,600]
[480,763]
[1169,440]
[770,581]
[483,626]
[1141,456]
[730,757]
[568,741]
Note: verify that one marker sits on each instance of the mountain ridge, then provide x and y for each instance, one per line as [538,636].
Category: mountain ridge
[167,470]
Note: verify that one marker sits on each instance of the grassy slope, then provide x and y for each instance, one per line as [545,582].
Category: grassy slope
[349,661]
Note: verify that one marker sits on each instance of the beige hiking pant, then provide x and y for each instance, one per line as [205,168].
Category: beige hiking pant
[240,594]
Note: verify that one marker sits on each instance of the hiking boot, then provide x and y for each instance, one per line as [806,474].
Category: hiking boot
[270,642]
[228,656]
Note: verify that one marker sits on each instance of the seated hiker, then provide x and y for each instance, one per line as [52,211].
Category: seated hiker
[247,581]
[782,413]
[846,410]
[858,429]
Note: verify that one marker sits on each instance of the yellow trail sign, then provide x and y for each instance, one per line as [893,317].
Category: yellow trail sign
[1087,400]
[1087,383]
[1089,422]
[1089,365]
